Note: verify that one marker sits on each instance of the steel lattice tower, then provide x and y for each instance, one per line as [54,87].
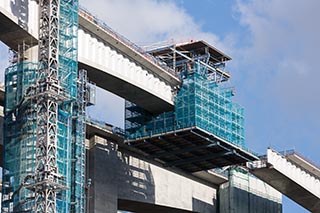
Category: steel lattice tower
[48,96]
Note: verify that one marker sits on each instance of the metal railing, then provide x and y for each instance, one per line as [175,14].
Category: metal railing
[114,129]
[294,152]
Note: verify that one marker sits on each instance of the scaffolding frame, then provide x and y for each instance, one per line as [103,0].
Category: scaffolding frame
[201,101]
[61,93]
[206,128]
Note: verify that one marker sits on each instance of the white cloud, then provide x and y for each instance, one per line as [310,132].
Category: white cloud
[284,46]
[149,21]
[144,22]
[282,71]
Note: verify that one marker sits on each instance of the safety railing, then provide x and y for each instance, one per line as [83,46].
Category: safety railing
[116,130]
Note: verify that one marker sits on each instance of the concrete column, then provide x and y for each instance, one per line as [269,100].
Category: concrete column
[104,188]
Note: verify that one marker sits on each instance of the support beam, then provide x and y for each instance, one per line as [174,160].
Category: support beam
[184,150]
[198,159]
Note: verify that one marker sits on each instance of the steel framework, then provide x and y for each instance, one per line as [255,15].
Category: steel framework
[48,96]
[202,99]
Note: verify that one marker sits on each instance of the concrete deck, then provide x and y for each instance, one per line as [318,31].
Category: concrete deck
[191,150]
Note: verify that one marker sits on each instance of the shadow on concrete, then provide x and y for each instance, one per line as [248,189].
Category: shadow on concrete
[123,182]
[138,207]
[118,177]
[200,206]
[242,201]
[20,9]
[136,180]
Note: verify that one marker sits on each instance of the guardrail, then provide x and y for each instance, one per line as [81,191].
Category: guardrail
[294,152]
[116,130]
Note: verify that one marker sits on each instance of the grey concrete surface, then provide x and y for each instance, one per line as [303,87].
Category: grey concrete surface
[289,188]
[127,183]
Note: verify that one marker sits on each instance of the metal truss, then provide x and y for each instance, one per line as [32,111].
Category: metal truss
[48,95]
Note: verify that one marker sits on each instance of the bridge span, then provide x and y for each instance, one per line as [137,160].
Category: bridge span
[291,175]
[113,62]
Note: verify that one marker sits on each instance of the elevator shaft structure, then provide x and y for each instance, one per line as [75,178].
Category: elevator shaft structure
[48,96]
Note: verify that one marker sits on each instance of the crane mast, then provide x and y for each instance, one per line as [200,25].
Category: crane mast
[48,95]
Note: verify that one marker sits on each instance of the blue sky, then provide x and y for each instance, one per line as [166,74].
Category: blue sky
[274,68]
[274,48]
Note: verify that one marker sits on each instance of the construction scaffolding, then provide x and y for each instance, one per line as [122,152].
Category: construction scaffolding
[21,177]
[206,128]
[201,102]
[19,136]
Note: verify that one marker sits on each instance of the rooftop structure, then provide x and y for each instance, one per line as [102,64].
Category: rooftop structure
[208,56]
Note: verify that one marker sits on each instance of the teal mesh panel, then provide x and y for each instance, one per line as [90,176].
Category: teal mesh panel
[19,139]
[200,103]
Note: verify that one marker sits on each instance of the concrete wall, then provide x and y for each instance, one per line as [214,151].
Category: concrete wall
[127,183]
[1,137]
[245,193]
[22,12]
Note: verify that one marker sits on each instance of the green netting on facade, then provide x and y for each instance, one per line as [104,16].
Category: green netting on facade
[200,103]
[19,134]
[20,140]
[207,105]
[68,76]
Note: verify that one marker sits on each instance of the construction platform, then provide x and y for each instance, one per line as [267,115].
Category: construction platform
[191,150]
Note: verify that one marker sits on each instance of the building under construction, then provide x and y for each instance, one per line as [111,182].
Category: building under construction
[44,151]
[182,148]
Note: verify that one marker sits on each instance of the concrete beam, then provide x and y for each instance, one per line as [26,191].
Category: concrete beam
[144,60]
[305,164]
[289,188]
[131,92]
[15,25]
[19,23]
[291,179]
